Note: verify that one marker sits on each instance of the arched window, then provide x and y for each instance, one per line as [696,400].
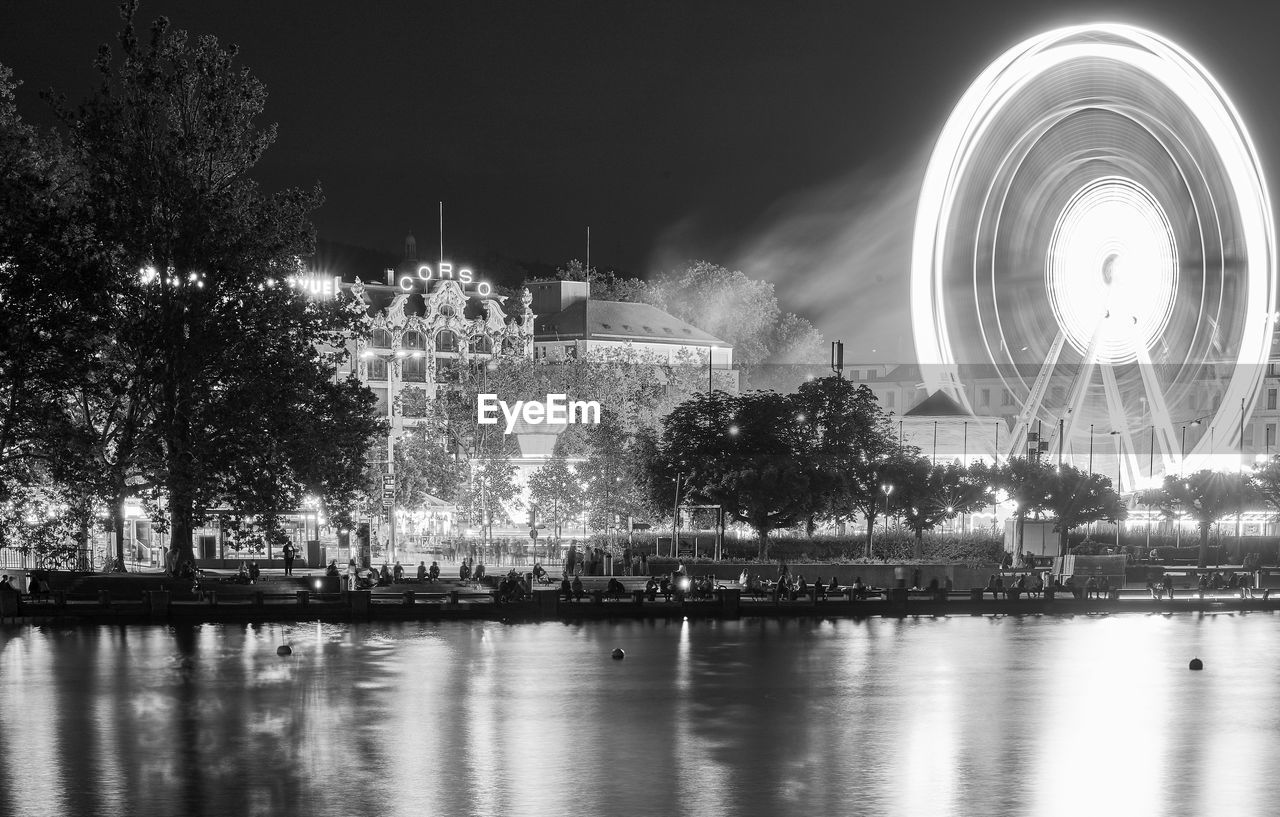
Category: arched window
[381,339]
[446,341]
[481,344]
[413,340]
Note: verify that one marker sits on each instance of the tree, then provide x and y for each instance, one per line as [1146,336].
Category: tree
[1027,482]
[243,406]
[556,492]
[610,472]
[49,290]
[930,494]
[1205,496]
[744,453]
[1076,498]
[848,438]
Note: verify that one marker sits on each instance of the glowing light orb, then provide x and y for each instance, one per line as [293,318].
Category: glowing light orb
[1094,207]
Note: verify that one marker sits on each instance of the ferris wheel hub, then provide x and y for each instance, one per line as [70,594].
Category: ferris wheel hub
[1112,270]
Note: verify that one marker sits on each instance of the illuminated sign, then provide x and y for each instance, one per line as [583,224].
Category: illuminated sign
[317,286]
[557,409]
[445,272]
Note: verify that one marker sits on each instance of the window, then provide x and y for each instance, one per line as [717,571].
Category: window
[382,339]
[413,340]
[413,369]
[1006,399]
[1271,399]
[1273,370]
[1270,436]
[377,369]
[986,397]
[446,341]
[481,344]
[542,353]
[889,399]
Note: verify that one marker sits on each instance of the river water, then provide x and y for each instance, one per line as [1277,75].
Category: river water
[960,715]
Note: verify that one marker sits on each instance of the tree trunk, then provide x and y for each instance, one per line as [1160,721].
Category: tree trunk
[918,553]
[1203,561]
[1062,541]
[1018,529]
[871,525]
[764,546]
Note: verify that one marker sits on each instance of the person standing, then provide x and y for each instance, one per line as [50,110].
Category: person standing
[351,575]
[289,553]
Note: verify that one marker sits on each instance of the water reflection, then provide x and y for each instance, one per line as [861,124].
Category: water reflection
[970,715]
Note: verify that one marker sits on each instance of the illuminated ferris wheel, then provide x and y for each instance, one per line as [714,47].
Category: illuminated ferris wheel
[1094,230]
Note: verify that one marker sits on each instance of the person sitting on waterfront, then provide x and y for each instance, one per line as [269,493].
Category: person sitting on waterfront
[1020,586]
[242,574]
[834,587]
[801,588]
[1104,587]
[422,570]
[351,575]
[993,587]
[332,569]
[433,572]
[744,577]
[464,572]
[859,589]
[1091,587]
[477,575]
[1154,589]
[651,589]
[384,575]
[566,588]
[577,588]
[539,573]
[1215,581]
[397,573]
[664,587]
[1037,589]
[616,588]
[1203,584]
[254,572]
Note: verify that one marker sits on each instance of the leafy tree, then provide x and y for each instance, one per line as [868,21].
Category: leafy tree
[848,437]
[1027,482]
[49,288]
[244,406]
[610,472]
[744,453]
[556,492]
[1205,496]
[1076,498]
[929,494]
[492,492]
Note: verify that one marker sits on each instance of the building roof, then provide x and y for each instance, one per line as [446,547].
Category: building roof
[619,320]
[937,404]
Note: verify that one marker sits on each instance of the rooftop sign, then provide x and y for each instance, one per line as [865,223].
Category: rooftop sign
[445,272]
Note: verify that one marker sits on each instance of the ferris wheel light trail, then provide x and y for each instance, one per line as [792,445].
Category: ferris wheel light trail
[1096,183]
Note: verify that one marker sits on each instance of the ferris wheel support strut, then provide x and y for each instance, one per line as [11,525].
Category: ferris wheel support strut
[1018,439]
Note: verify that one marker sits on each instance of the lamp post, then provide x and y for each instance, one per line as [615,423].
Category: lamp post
[888,489]
[1119,465]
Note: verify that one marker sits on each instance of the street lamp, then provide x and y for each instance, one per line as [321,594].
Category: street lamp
[888,489]
[1119,465]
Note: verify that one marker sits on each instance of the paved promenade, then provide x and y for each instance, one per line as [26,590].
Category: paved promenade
[309,596]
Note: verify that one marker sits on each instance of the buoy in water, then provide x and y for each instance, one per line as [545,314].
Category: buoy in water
[1196,663]
[284,649]
[618,654]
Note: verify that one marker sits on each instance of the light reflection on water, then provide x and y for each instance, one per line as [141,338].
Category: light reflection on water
[964,715]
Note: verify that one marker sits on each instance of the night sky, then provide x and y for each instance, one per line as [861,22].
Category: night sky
[786,139]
